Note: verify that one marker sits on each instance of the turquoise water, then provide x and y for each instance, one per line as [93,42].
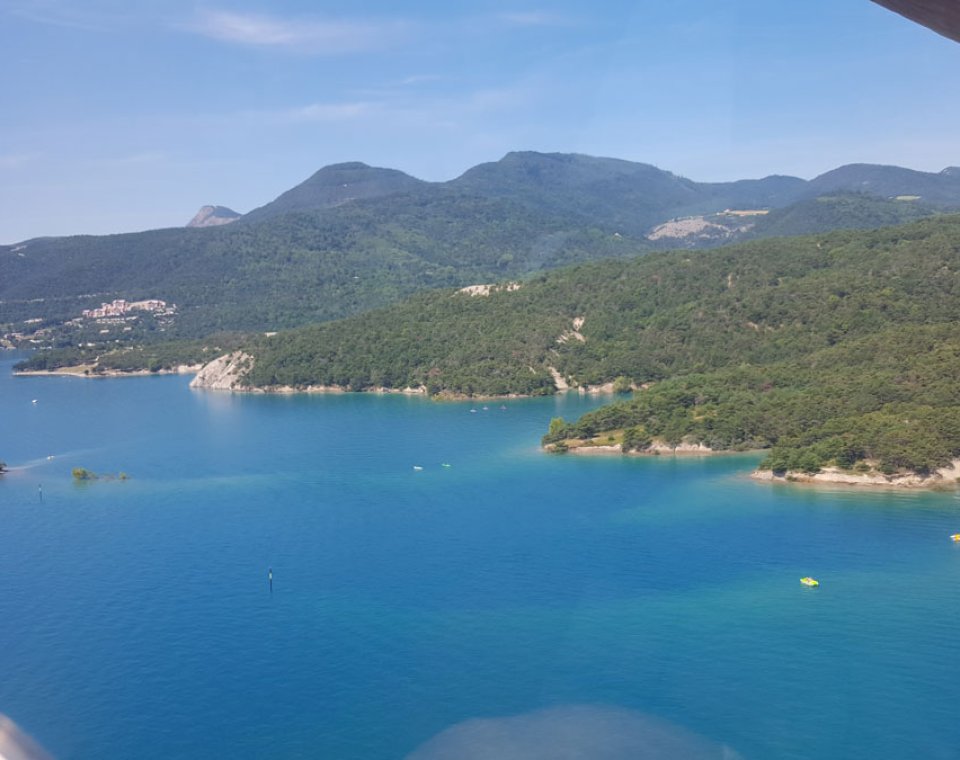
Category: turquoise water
[136,620]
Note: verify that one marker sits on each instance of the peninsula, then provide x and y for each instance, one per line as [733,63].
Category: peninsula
[829,351]
[836,350]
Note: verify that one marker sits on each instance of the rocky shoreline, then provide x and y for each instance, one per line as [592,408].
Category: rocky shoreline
[225,374]
[657,448]
[91,371]
[944,478]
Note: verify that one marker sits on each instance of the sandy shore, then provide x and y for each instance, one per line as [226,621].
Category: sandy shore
[656,449]
[285,390]
[91,371]
[944,478]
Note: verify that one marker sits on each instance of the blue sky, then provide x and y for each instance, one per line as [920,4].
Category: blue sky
[119,115]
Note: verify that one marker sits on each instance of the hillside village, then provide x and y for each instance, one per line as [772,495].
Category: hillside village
[111,321]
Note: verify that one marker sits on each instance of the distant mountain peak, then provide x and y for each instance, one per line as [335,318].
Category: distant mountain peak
[336,184]
[937,188]
[213,216]
[350,166]
[575,159]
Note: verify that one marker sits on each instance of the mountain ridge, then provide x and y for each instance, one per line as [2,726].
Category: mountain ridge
[353,237]
[336,184]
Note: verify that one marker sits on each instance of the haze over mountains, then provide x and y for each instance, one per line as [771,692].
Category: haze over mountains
[613,192]
[353,237]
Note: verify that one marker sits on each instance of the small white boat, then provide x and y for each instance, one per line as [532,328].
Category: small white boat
[417,467]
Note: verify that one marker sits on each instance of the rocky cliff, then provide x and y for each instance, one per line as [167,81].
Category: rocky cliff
[213,216]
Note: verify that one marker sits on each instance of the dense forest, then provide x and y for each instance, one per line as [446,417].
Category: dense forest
[297,268]
[163,356]
[836,347]
[844,211]
[353,237]
[833,347]
[825,349]
[890,398]
[647,319]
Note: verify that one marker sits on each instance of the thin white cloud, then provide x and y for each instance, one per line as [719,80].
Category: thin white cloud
[326,112]
[53,14]
[309,35]
[421,79]
[90,16]
[16,160]
[144,157]
[396,108]
[534,18]
[311,113]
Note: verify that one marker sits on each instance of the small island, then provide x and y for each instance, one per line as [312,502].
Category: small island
[83,475]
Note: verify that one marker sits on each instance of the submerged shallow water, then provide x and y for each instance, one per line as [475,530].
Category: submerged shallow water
[138,621]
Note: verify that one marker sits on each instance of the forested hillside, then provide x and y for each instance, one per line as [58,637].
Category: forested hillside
[353,237]
[618,195]
[297,268]
[659,316]
[836,347]
[935,188]
[889,398]
[844,211]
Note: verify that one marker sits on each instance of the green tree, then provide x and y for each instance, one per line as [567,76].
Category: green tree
[636,439]
[557,431]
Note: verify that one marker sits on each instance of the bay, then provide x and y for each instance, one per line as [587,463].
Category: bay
[138,620]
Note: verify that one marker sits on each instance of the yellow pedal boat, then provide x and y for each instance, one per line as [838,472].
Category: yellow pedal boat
[955,537]
[808,581]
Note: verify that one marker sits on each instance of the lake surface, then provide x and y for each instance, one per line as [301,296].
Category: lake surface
[136,618]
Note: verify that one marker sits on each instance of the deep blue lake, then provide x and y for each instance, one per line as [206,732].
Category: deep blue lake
[136,618]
